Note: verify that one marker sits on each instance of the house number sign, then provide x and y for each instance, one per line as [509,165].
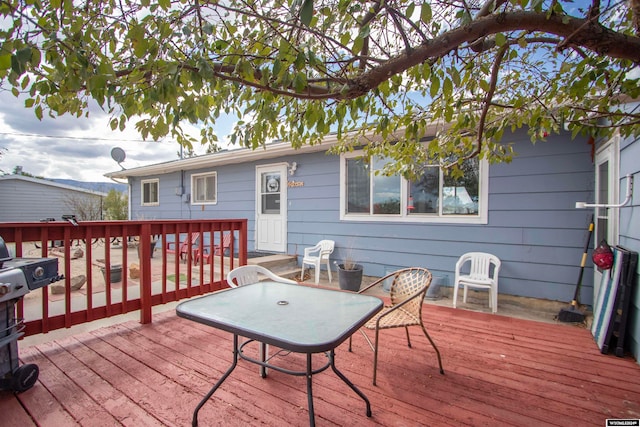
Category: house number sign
[295,184]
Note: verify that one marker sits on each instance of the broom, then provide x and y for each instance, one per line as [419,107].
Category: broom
[573,313]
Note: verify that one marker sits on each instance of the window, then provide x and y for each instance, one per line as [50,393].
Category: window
[270,192]
[433,197]
[204,188]
[150,195]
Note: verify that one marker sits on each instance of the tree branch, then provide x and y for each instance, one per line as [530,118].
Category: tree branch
[495,70]
[592,36]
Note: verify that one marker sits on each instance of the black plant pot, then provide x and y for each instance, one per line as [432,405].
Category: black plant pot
[350,280]
[115,273]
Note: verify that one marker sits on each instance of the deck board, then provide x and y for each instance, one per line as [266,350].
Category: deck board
[498,371]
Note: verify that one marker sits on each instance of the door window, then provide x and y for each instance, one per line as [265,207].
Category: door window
[602,197]
[270,188]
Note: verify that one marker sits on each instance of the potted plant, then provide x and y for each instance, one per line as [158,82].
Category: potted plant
[349,274]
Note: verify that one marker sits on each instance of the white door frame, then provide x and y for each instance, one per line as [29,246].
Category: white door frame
[607,191]
[271,208]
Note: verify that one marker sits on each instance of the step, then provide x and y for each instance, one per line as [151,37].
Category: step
[276,263]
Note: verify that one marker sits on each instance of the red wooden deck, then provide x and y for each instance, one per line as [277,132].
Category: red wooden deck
[498,371]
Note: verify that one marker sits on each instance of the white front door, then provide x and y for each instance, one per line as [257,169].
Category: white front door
[271,208]
[606,192]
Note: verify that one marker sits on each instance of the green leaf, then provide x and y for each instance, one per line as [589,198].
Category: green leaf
[24,55]
[357,46]
[306,12]
[207,29]
[300,82]
[5,62]
[17,66]
[29,102]
[447,87]
[410,9]
[500,39]
[140,48]
[96,82]
[300,61]
[365,31]
[455,76]
[425,12]
[435,86]
[345,38]
[277,67]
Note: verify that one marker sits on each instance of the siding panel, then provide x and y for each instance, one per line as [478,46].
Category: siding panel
[27,200]
[630,228]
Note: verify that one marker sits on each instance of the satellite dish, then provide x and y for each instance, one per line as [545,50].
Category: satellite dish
[118,155]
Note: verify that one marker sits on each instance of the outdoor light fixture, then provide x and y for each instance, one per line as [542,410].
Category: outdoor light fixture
[583,205]
[292,168]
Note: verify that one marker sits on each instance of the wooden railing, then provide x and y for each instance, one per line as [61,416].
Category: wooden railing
[152,272]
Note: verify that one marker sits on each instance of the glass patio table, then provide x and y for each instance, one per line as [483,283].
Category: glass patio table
[297,318]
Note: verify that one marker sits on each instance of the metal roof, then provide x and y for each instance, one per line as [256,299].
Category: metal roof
[51,184]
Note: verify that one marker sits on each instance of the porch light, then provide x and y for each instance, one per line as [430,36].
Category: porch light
[583,205]
[292,168]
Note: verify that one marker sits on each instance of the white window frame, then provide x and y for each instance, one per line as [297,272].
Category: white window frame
[155,181]
[480,218]
[194,200]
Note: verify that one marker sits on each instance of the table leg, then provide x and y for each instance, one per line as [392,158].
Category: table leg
[263,358]
[194,421]
[349,383]
[312,416]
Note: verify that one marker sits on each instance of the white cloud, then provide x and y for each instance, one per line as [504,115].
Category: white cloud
[75,148]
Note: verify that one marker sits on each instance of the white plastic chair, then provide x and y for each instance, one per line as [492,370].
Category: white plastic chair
[480,276]
[317,255]
[248,274]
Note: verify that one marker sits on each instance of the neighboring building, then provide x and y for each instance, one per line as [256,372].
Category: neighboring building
[33,199]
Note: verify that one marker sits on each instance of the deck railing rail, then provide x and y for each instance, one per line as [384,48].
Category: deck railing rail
[95,249]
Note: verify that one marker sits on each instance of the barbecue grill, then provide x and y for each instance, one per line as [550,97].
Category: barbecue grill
[19,276]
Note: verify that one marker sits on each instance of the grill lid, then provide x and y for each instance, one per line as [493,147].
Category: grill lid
[4,252]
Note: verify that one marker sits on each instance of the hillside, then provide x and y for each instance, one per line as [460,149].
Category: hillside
[103,187]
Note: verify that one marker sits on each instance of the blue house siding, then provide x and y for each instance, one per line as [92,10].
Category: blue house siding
[630,227]
[533,225]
